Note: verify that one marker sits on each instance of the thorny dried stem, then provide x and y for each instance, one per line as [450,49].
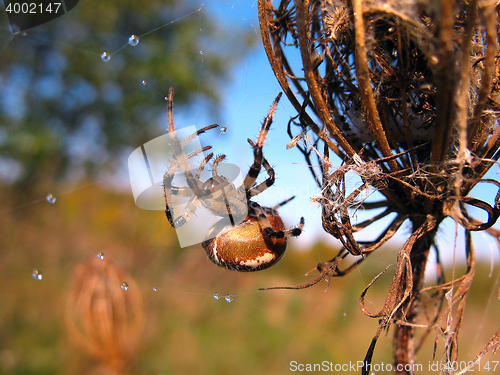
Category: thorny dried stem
[407,94]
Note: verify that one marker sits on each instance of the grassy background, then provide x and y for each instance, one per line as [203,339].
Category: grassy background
[186,330]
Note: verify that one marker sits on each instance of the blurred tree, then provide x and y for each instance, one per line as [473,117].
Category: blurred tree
[64,111]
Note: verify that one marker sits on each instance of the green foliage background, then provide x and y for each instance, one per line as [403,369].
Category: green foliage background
[187,331]
[56,91]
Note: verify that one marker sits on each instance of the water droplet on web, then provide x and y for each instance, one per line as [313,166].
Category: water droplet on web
[51,199]
[345,314]
[144,83]
[228,298]
[15,29]
[105,56]
[100,255]
[223,129]
[201,52]
[37,274]
[216,296]
[133,40]
[124,285]
[154,289]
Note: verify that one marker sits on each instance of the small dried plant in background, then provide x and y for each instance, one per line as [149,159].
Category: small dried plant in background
[407,94]
[104,313]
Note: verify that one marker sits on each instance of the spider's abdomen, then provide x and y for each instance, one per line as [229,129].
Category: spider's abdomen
[245,247]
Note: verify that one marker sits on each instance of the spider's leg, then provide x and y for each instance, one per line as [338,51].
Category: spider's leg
[257,149]
[221,185]
[224,199]
[215,165]
[196,133]
[174,165]
[193,203]
[179,155]
[266,225]
[203,164]
[215,176]
[186,214]
[283,203]
[265,184]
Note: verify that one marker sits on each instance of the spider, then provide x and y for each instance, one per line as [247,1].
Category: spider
[256,237]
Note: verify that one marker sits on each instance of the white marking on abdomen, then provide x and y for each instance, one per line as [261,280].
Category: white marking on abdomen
[263,259]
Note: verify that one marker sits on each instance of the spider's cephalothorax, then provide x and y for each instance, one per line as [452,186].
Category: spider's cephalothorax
[256,238]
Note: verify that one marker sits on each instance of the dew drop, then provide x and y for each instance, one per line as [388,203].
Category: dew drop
[216,296]
[345,314]
[434,60]
[100,255]
[144,83]
[37,274]
[228,298]
[133,40]
[154,289]
[124,285]
[51,199]
[223,129]
[201,52]
[15,29]
[105,56]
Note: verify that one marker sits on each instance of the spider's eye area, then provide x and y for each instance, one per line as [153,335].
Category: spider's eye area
[274,234]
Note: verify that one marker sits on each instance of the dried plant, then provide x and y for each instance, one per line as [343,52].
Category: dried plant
[407,93]
[104,312]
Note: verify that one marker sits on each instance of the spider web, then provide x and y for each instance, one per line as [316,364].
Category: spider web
[189,327]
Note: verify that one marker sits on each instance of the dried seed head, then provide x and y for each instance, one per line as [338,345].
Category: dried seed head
[336,19]
[103,317]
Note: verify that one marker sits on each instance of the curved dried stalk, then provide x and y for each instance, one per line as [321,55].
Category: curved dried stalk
[274,57]
[365,85]
[408,95]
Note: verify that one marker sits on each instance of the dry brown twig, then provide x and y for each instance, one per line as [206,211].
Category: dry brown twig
[407,93]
